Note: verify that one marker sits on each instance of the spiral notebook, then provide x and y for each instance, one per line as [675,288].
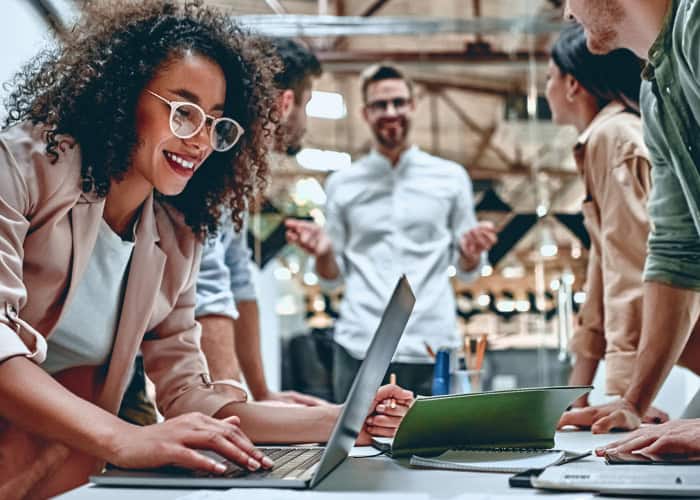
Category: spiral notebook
[511,461]
[520,419]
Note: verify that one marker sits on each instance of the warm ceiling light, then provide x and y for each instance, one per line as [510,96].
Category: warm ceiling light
[317,159]
[328,105]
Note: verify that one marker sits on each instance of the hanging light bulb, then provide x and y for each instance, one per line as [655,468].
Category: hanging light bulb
[548,247]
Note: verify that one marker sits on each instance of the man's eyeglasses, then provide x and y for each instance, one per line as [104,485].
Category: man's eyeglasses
[382,105]
[187,119]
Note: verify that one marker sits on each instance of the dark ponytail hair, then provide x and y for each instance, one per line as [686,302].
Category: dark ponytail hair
[611,77]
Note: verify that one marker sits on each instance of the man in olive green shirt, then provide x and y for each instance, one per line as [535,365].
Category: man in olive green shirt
[667,33]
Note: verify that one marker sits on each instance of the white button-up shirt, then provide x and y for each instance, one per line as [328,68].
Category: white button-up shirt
[385,222]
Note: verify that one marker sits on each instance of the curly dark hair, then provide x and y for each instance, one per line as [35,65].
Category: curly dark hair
[88,89]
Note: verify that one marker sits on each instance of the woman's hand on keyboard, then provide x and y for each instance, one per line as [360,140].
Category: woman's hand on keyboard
[388,409]
[176,441]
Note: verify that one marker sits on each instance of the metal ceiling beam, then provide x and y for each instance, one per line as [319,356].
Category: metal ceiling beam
[465,87]
[335,26]
[341,42]
[414,56]
[471,124]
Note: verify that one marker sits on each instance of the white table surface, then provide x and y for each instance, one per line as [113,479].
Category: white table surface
[378,477]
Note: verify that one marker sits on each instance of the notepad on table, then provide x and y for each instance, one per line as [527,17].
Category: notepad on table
[515,419]
[511,461]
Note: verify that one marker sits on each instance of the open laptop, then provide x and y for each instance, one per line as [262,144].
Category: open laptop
[299,467]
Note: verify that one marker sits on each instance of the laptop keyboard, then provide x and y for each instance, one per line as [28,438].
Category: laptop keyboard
[290,463]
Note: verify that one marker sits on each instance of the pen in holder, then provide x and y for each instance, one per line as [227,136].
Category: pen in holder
[441,375]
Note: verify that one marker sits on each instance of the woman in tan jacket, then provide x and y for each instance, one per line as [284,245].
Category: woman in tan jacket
[599,95]
[120,152]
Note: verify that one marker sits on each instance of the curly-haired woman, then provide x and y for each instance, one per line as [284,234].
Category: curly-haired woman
[121,151]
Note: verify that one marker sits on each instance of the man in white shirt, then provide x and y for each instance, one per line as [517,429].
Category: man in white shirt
[397,210]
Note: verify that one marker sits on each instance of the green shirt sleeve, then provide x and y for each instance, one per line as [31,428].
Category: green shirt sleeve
[690,46]
[673,254]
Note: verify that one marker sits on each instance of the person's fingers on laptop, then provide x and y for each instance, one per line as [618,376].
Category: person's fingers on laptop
[227,444]
[627,445]
[226,438]
[236,436]
[188,458]
[634,440]
[619,420]
[681,441]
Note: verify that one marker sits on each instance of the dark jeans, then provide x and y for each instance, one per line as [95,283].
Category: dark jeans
[136,408]
[416,377]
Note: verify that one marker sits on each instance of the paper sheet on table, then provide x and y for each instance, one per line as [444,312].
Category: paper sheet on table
[275,494]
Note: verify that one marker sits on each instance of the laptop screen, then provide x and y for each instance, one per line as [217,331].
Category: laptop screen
[368,379]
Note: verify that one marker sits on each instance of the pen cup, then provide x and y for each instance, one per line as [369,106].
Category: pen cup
[466,381]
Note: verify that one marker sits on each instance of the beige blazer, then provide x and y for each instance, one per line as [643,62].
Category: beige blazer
[48,228]
[611,157]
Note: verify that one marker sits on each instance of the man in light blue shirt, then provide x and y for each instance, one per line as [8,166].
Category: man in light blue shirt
[226,302]
[667,33]
[397,210]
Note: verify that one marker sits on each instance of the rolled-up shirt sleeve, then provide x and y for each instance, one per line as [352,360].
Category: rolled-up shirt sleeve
[214,295]
[174,361]
[674,242]
[16,337]
[462,220]
[589,335]
[237,257]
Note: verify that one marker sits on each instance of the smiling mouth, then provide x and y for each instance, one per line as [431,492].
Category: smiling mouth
[179,164]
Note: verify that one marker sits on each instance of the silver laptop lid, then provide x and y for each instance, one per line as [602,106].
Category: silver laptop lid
[368,379]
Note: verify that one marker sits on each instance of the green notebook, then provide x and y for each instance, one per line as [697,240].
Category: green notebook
[516,419]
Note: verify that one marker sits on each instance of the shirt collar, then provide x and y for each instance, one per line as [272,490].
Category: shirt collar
[379,158]
[663,43]
[611,109]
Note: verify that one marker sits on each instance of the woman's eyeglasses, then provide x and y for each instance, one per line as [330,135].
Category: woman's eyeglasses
[187,120]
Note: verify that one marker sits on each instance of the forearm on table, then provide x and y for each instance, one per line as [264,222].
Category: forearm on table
[272,424]
[218,345]
[247,341]
[583,371]
[668,318]
[51,411]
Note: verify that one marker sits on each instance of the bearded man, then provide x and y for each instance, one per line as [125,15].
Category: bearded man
[396,211]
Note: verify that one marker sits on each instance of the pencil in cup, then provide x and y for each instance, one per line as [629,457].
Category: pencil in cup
[479,361]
